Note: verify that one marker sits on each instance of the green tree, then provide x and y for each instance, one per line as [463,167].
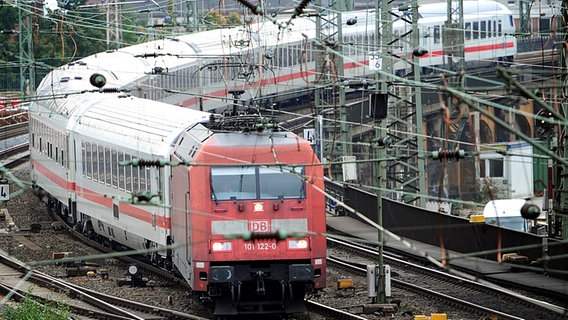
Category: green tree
[214,19]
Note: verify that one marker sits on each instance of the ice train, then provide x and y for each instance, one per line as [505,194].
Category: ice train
[257,61]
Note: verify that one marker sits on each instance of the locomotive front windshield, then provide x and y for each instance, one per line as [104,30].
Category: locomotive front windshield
[255,182]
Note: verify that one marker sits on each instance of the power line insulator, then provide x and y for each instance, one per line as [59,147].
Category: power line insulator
[384,141]
[530,211]
[298,10]
[97,80]
[443,154]
[419,52]
[255,9]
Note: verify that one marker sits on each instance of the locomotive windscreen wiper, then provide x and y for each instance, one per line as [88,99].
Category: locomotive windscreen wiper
[213,192]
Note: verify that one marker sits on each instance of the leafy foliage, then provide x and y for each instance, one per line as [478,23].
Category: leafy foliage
[215,18]
[29,309]
[67,34]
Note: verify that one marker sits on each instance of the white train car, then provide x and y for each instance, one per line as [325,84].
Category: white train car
[206,70]
[488,33]
[78,138]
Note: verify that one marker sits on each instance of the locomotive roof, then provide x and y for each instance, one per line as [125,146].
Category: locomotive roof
[238,139]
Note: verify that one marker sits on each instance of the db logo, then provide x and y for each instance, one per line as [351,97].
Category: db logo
[259,225]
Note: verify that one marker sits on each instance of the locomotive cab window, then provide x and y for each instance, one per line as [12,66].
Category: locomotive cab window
[253,182]
[233,183]
[285,183]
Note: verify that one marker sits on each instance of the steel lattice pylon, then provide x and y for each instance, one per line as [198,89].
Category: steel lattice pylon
[334,136]
[405,175]
[558,217]
[114,27]
[26,12]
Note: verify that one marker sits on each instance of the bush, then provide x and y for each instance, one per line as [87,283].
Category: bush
[29,309]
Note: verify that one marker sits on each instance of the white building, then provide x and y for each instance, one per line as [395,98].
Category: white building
[506,169]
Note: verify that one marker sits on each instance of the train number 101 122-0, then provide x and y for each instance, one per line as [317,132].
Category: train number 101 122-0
[260,246]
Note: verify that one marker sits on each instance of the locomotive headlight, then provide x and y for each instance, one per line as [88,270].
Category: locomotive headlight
[298,244]
[219,246]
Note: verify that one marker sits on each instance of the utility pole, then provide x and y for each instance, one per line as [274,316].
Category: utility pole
[397,113]
[379,107]
[558,217]
[113,21]
[405,122]
[26,12]
[453,35]
[114,30]
[191,16]
[453,44]
[335,138]
[524,18]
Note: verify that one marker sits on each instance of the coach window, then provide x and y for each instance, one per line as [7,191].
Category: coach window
[499,28]
[467,34]
[437,36]
[483,29]
[101,161]
[114,168]
[33,128]
[108,166]
[128,173]
[475,30]
[121,172]
[136,178]
[91,156]
[84,159]
[87,160]
[281,183]
[144,179]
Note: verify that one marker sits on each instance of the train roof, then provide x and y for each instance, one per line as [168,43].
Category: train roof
[482,7]
[128,65]
[132,123]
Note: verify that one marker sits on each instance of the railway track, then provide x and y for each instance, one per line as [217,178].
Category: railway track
[17,280]
[312,306]
[13,130]
[15,150]
[479,298]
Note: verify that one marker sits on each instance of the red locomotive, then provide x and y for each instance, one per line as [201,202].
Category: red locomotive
[259,185]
